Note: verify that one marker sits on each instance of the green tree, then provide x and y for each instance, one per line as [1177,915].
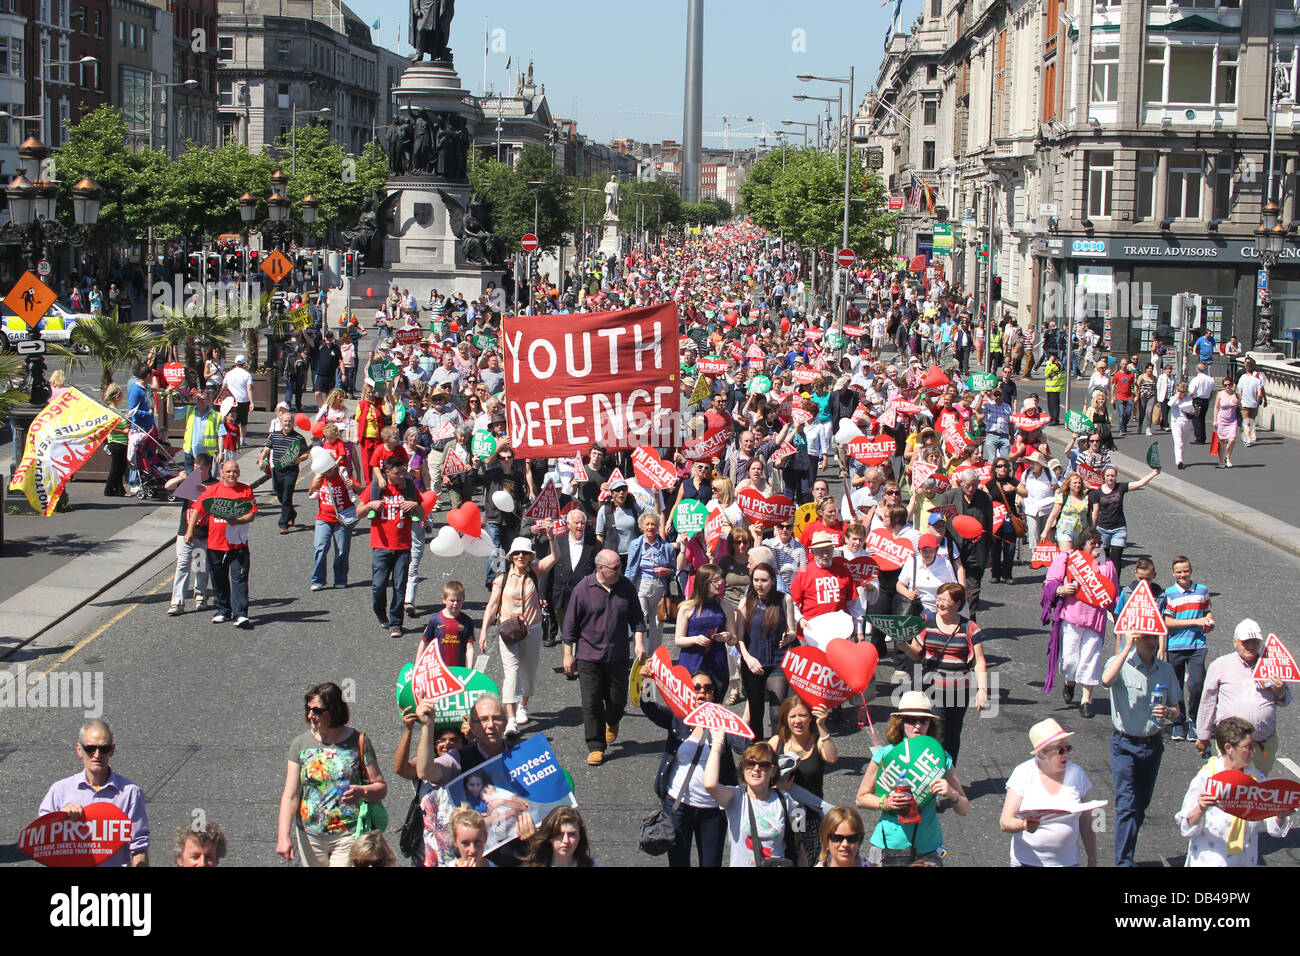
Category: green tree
[339,181]
[198,329]
[107,343]
[12,368]
[199,196]
[513,199]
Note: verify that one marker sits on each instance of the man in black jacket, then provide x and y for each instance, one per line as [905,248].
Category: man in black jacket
[572,558]
[973,500]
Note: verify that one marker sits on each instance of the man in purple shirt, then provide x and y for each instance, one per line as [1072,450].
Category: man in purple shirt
[1230,691]
[98,782]
[603,610]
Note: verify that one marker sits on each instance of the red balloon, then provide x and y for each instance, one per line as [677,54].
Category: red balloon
[466,519]
[429,501]
[934,378]
[968,526]
[455,327]
[785,324]
[370,291]
[318,430]
[303,422]
[855,663]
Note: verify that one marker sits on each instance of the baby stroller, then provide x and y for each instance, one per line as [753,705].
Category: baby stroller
[151,459]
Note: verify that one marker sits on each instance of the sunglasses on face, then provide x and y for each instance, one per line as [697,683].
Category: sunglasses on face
[853,838]
[92,750]
[758,764]
[317,711]
[703,688]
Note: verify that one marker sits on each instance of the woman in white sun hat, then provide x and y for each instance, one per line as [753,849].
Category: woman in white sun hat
[515,598]
[1048,779]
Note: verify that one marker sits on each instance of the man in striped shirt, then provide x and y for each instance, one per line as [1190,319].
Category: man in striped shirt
[1189,619]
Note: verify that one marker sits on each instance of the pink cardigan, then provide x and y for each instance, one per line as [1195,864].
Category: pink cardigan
[1079,613]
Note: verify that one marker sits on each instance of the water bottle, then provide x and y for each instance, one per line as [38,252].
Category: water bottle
[1157,699]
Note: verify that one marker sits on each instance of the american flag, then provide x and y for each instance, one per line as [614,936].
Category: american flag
[914,194]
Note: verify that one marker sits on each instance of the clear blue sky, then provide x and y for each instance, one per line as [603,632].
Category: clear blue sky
[602,62]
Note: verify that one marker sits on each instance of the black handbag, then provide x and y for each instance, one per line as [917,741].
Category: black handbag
[410,839]
[659,831]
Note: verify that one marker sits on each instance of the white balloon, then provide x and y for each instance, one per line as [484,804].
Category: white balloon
[504,501]
[824,628]
[847,432]
[481,547]
[448,543]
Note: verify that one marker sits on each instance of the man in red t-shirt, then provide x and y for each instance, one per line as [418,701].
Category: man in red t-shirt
[824,585]
[393,505]
[1121,392]
[228,559]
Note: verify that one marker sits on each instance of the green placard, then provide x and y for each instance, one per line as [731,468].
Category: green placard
[690,516]
[483,444]
[289,457]
[697,335]
[1153,456]
[381,373]
[916,761]
[227,508]
[760,384]
[835,339]
[405,694]
[483,342]
[452,711]
[901,627]
[1077,423]
[982,381]
[439,328]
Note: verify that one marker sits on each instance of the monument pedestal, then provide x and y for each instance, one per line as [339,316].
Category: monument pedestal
[609,240]
[421,251]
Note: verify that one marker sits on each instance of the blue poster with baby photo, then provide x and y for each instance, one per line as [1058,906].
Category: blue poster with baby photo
[526,778]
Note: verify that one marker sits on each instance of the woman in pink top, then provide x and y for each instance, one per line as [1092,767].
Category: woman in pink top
[1078,628]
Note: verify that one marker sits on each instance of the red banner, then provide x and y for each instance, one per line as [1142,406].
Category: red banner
[708,446]
[547,505]
[56,840]
[1243,796]
[813,679]
[1043,554]
[889,551]
[1141,613]
[1094,587]
[862,569]
[431,679]
[672,681]
[1275,663]
[651,471]
[407,335]
[805,375]
[713,716]
[872,451]
[713,530]
[608,377]
[763,509]
[712,366]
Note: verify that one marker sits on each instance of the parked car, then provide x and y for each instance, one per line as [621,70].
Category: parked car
[55,327]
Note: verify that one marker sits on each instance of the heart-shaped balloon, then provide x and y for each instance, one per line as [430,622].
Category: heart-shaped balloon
[480,547]
[318,430]
[466,519]
[764,509]
[934,378]
[302,421]
[813,679]
[854,663]
[967,526]
[429,501]
[447,543]
[819,631]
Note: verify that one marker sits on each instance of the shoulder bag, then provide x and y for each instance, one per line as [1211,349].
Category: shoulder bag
[410,839]
[514,630]
[931,667]
[658,831]
[370,816]
[669,603]
[757,846]
[1018,525]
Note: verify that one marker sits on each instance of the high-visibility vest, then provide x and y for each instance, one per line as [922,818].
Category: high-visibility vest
[1054,381]
[209,430]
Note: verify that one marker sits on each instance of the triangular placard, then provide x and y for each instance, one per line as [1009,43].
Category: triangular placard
[1141,613]
[1276,663]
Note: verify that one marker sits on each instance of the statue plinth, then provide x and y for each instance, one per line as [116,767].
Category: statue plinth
[609,240]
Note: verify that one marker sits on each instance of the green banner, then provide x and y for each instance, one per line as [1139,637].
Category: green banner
[901,627]
[227,508]
[289,457]
[760,385]
[483,342]
[835,339]
[982,382]
[690,516]
[916,762]
[483,444]
[381,373]
[1153,456]
[1077,423]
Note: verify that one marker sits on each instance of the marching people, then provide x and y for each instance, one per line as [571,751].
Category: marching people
[1049,780]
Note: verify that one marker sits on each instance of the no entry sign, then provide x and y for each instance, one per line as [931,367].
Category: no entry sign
[845,257]
[528,243]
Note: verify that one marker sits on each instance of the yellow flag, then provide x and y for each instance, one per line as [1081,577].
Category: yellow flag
[701,390]
[62,438]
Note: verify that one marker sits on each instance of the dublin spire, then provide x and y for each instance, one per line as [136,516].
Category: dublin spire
[693,112]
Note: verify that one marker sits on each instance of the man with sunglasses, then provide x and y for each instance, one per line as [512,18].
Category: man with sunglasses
[97,781]
[995,414]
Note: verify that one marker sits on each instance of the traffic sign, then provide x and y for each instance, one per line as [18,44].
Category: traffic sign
[30,346]
[30,299]
[528,243]
[1048,209]
[845,257]
[895,203]
[277,266]
[43,268]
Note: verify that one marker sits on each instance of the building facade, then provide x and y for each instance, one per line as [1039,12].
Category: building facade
[60,87]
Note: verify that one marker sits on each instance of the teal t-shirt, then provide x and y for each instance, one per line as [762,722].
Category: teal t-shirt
[823,403]
[925,837]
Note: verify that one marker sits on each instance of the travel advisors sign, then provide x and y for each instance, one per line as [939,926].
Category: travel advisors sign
[608,378]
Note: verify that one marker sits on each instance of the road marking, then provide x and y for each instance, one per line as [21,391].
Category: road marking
[1290,765]
[97,632]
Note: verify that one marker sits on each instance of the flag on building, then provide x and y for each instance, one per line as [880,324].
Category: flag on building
[63,436]
[375,25]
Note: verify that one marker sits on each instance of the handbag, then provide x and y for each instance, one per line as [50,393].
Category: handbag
[931,672]
[1017,523]
[410,839]
[658,831]
[514,630]
[668,604]
[370,816]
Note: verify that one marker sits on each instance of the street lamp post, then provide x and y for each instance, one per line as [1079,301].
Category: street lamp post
[585,253]
[45,67]
[153,104]
[535,186]
[798,123]
[1270,237]
[848,156]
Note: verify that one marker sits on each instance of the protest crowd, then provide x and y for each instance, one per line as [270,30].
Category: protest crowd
[843,499]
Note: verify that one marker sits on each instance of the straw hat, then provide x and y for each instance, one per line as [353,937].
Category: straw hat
[1046,732]
[821,539]
[914,704]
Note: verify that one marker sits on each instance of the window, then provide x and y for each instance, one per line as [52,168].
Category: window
[225,48]
[282,49]
[1146,185]
[84,20]
[65,118]
[1105,74]
[227,133]
[1049,92]
[1222,187]
[1191,72]
[931,111]
[282,96]
[1183,186]
[63,13]
[144,38]
[1101,172]
[131,34]
[121,33]
[936,8]
[64,57]
[99,31]
[44,15]
[927,154]
[134,85]
[1193,75]
[284,132]
[1153,75]
[1225,85]
[226,92]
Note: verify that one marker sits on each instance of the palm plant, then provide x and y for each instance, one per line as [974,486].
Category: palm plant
[12,369]
[258,319]
[208,327]
[109,343]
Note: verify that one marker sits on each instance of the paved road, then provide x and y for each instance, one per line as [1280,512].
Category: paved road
[203,713]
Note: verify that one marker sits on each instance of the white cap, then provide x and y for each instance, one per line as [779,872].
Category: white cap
[322,461]
[241,360]
[1248,630]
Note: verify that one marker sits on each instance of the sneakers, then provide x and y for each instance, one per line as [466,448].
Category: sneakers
[243,622]
[203,603]
[1148,431]
[174,610]
[595,758]
[318,587]
[521,715]
[1177,732]
[512,728]
[394,632]
[611,733]
[410,610]
[219,619]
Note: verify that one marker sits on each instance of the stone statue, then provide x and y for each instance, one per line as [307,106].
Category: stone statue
[431,29]
[460,148]
[611,198]
[444,149]
[374,223]
[473,227]
[395,147]
[405,144]
[422,143]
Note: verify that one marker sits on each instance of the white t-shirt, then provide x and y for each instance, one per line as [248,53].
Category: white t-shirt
[928,579]
[696,795]
[1041,490]
[1250,386]
[240,384]
[1056,841]
[768,821]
